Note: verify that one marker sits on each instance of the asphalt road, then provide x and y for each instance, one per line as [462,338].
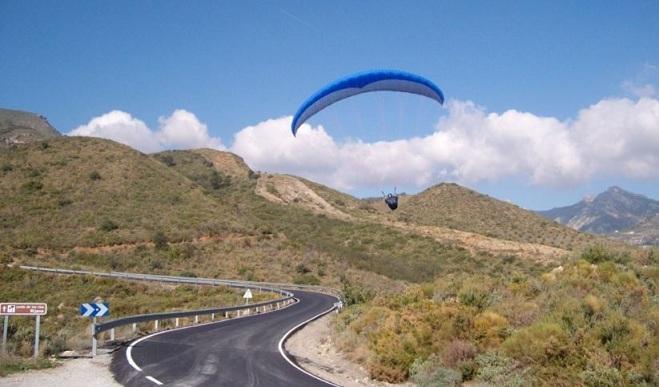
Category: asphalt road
[235,352]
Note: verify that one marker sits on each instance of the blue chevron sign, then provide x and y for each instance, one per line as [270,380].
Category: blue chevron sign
[94,309]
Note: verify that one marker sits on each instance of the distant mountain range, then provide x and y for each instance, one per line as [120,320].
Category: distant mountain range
[614,212]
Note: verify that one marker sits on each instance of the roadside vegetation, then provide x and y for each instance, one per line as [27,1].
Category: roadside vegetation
[592,321]
[64,329]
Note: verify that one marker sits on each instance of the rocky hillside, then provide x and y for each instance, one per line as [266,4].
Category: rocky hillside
[17,127]
[612,211]
[645,233]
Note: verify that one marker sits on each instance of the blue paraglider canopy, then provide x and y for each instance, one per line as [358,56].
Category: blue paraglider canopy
[364,82]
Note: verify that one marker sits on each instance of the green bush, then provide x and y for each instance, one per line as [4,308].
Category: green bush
[32,186]
[108,225]
[498,370]
[94,175]
[160,240]
[306,279]
[540,344]
[431,373]
[600,376]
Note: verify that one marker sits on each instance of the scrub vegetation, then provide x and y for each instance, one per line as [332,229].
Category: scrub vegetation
[590,322]
[434,310]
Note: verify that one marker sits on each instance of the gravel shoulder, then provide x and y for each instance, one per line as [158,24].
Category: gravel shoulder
[314,350]
[71,373]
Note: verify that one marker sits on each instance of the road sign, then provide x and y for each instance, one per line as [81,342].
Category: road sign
[94,309]
[248,294]
[23,309]
[36,309]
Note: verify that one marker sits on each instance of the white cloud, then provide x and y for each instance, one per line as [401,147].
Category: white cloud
[615,137]
[644,84]
[181,130]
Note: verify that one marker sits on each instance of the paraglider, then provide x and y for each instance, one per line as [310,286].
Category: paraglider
[364,82]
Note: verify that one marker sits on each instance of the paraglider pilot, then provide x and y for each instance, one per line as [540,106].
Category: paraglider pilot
[391,200]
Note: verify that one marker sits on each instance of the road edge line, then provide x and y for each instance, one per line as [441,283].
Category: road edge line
[286,355]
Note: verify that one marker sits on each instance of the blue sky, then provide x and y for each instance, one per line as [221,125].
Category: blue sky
[233,65]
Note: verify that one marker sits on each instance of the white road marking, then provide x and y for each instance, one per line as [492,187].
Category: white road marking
[156,381]
[129,350]
[284,354]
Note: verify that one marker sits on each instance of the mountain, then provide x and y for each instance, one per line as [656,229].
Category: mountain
[645,233]
[460,208]
[99,204]
[18,127]
[614,210]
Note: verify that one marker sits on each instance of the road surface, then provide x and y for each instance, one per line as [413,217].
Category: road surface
[235,352]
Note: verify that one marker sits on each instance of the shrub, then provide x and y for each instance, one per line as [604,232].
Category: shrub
[56,345]
[431,373]
[160,240]
[306,279]
[94,175]
[108,225]
[302,269]
[477,298]
[63,202]
[32,186]
[541,343]
[6,167]
[499,370]
[168,160]
[458,351]
[490,328]
[600,376]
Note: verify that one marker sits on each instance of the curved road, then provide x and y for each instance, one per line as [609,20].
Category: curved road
[235,352]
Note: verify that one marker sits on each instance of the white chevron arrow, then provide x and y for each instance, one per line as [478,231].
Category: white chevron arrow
[88,310]
[102,310]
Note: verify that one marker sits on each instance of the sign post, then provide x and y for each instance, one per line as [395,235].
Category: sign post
[247,296]
[4,335]
[37,309]
[94,309]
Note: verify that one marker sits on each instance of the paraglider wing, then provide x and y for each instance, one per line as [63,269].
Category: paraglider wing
[375,80]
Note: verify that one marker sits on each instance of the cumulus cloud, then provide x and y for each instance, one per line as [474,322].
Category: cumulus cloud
[644,84]
[615,137]
[180,130]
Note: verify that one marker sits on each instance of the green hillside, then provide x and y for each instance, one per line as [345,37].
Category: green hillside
[75,191]
[453,206]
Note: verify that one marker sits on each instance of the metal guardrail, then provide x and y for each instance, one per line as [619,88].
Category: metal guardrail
[276,287]
[280,288]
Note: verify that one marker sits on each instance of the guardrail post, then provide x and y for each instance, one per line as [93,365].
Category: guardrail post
[177,322]
[196,319]
[226,314]
[155,325]
[134,327]
[277,305]
[212,316]
[112,334]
